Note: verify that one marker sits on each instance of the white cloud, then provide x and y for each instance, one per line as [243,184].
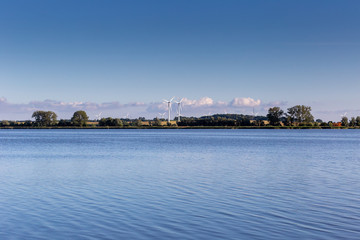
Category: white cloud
[245,102]
[205,101]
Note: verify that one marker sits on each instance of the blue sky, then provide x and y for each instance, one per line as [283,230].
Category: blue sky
[120,57]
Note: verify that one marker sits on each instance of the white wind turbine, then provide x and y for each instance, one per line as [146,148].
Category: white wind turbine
[127,116]
[169,106]
[179,108]
[98,116]
[162,115]
[343,115]
[254,116]
[255,113]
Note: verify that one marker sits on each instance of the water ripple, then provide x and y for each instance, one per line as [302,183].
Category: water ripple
[222,184]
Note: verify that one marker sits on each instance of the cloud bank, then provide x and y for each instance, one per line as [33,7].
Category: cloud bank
[191,107]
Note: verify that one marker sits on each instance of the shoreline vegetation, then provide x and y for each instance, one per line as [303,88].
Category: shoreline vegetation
[176,127]
[297,117]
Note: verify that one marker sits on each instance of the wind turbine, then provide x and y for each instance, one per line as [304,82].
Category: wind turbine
[162,115]
[127,116]
[343,115]
[98,116]
[169,106]
[255,113]
[179,108]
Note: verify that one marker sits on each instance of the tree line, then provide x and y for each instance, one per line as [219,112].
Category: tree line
[352,123]
[79,119]
[49,119]
[299,115]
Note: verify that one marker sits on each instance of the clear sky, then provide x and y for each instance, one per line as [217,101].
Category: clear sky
[121,57]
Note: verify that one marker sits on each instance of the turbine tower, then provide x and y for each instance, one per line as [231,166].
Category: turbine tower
[169,106]
[179,108]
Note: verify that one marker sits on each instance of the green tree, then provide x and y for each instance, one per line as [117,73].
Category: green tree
[274,115]
[157,122]
[27,123]
[324,124]
[352,122]
[44,118]
[79,118]
[109,121]
[102,122]
[357,121]
[344,121]
[291,116]
[5,123]
[64,123]
[137,123]
[117,122]
[300,114]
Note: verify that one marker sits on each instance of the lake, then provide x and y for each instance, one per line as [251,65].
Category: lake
[180,184]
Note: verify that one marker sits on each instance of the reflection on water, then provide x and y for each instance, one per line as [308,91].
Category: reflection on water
[182,184]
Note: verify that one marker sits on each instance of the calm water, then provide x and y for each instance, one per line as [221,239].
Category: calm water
[179,184]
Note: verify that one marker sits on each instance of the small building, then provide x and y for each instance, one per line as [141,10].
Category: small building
[337,124]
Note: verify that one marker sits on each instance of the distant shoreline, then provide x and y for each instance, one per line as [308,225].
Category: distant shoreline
[185,127]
